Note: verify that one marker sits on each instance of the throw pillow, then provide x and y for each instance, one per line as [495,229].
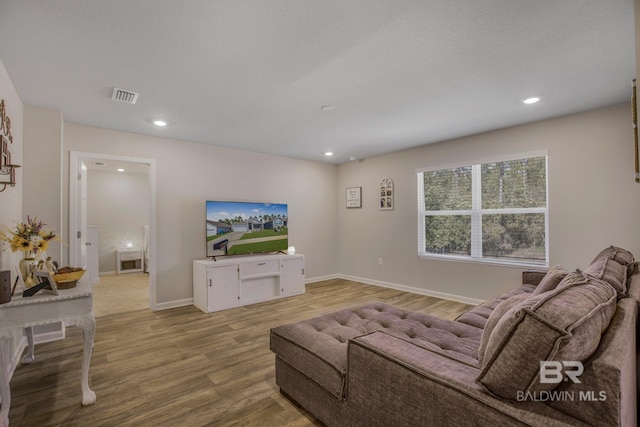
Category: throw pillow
[610,271]
[497,313]
[551,280]
[621,256]
[560,325]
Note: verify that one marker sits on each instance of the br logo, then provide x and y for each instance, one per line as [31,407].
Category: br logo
[553,372]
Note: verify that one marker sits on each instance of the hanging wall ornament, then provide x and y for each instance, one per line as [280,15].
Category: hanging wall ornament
[386,194]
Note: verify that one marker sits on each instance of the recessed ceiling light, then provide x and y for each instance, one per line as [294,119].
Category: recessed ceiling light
[120,170]
[160,123]
[328,107]
[328,154]
[531,100]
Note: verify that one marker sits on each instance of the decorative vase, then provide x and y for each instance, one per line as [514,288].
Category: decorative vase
[27,268]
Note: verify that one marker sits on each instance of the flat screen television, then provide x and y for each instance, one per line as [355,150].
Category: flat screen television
[237,228]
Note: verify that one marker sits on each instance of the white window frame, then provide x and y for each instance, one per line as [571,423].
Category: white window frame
[476,213]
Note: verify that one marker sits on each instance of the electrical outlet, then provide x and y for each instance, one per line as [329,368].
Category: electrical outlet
[380,261]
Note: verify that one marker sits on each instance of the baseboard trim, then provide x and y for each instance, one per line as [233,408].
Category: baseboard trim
[173,304]
[419,291]
[321,278]
[436,294]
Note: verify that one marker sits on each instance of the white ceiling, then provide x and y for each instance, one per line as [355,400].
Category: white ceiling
[253,74]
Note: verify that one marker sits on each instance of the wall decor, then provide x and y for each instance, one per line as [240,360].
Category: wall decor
[5,122]
[4,151]
[386,194]
[354,197]
[6,167]
[634,123]
[45,283]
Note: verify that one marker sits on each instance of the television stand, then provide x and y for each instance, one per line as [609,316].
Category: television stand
[229,282]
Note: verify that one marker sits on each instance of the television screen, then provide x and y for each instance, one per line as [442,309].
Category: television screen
[235,228]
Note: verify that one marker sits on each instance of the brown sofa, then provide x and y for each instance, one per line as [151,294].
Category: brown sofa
[376,364]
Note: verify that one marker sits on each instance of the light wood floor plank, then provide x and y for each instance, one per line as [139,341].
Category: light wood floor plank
[184,367]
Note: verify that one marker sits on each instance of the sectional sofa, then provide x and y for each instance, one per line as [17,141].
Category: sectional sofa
[376,364]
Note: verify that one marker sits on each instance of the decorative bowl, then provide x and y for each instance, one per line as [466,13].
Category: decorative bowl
[67,280]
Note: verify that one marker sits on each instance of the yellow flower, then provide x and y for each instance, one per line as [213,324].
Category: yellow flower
[20,244]
[28,237]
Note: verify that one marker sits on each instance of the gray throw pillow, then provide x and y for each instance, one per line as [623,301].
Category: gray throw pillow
[551,280]
[495,316]
[560,325]
[610,271]
[619,255]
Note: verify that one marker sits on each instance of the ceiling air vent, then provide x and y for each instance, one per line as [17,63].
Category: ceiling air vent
[126,96]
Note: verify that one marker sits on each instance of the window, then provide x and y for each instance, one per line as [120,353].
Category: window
[490,212]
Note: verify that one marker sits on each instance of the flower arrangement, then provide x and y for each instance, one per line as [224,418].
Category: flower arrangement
[29,237]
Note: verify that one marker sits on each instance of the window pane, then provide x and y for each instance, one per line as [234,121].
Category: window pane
[448,189]
[448,234]
[514,184]
[514,236]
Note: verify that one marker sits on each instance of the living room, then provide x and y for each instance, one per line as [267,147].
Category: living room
[592,197]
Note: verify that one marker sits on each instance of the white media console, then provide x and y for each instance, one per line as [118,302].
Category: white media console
[229,282]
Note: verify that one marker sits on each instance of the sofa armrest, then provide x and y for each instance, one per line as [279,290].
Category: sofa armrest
[610,375]
[394,382]
[532,277]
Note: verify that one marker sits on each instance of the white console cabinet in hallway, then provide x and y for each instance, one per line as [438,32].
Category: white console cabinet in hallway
[229,282]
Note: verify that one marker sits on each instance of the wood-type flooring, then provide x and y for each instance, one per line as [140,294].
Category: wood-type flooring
[182,367]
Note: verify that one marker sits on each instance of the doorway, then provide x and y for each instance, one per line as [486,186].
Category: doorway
[126,237]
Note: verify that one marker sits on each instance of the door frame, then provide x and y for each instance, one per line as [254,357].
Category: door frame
[74,207]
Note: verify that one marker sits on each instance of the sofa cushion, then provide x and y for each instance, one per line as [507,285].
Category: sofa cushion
[501,309]
[551,280]
[478,315]
[560,325]
[621,256]
[611,271]
[317,347]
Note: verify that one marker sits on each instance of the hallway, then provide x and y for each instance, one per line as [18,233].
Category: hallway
[117,294]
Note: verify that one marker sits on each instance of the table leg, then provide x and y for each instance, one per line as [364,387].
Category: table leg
[88,325]
[30,356]
[5,389]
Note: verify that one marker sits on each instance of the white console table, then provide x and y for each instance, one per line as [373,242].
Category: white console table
[71,307]
[235,281]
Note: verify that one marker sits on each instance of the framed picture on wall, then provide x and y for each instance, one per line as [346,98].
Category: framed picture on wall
[386,194]
[354,197]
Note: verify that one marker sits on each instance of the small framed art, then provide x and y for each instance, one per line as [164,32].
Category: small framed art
[354,197]
[44,282]
[386,194]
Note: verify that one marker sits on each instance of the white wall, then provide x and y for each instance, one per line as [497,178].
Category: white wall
[189,173]
[118,204]
[43,128]
[593,202]
[11,197]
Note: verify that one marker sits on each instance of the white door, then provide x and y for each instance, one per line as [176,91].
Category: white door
[78,213]
[92,254]
[82,177]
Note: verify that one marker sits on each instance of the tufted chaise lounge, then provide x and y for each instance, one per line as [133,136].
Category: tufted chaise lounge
[376,364]
[318,346]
